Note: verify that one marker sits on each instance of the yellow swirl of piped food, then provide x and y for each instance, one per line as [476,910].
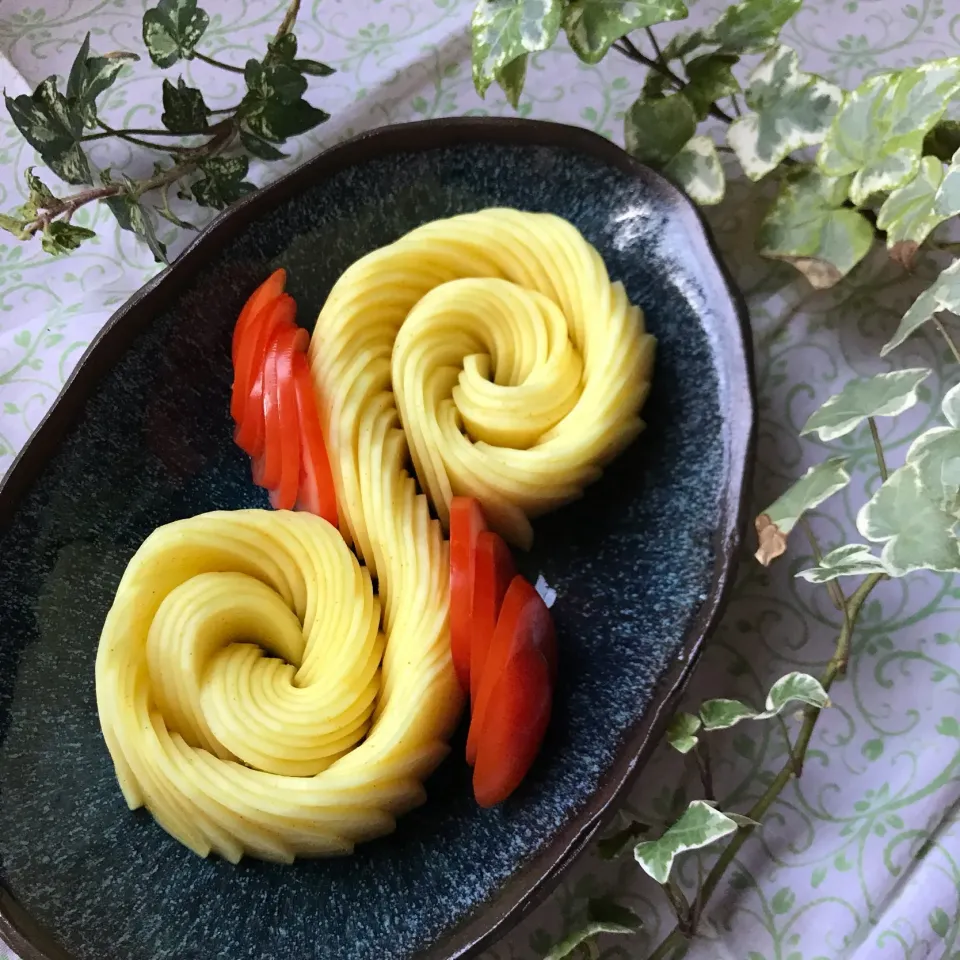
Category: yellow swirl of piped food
[517,367]
[244,691]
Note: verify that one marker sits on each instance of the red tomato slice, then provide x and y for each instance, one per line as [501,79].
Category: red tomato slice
[466,522]
[249,319]
[317,493]
[281,451]
[524,625]
[253,353]
[514,727]
[493,574]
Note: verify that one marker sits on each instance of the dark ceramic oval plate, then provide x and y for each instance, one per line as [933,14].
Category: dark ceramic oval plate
[142,436]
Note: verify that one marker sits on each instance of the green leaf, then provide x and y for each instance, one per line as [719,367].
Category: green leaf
[752,26]
[512,78]
[850,560]
[742,821]
[313,68]
[132,216]
[682,44]
[223,182]
[916,531]
[52,126]
[260,147]
[172,29]
[793,110]
[947,201]
[908,215]
[783,900]
[283,49]
[655,131]
[274,81]
[940,923]
[12,225]
[816,485]
[943,141]
[272,108]
[884,395]
[593,25]
[184,109]
[681,733]
[697,169]
[878,134]
[278,122]
[603,916]
[40,194]
[91,76]
[809,227]
[796,687]
[711,77]
[943,294]
[699,826]
[951,406]
[503,30]
[721,714]
[611,847]
[60,237]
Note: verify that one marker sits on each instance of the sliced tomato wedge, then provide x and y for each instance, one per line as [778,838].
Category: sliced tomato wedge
[251,363]
[513,694]
[466,522]
[281,450]
[494,570]
[249,319]
[317,493]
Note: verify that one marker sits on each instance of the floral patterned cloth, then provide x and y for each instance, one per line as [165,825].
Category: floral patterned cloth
[861,859]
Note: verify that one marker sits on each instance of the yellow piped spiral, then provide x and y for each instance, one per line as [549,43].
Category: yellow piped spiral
[244,694]
[518,369]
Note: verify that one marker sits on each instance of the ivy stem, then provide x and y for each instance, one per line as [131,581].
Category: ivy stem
[130,138]
[109,132]
[678,901]
[705,768]
[656,47]
[951,343]
[217,63]
[676,941]
[881,460]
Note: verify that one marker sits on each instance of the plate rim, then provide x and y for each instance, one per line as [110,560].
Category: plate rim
[491,920]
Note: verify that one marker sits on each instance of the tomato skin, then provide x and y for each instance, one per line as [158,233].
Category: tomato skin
[494,570]
[317,493]
[247,323]
[466,522]
[512,707]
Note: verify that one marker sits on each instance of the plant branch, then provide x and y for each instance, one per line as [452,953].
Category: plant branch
[656,47]
[705,768]
[678,901]
[130,138]
[217,63]
[677,938]
[110,132]
[951,343]
[881,460]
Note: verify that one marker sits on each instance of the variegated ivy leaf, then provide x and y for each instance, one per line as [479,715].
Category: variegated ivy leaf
[809,226]
[655,131]
[885,395]
[792,110]
[936,455]
[908,215]
[751,26]
[951,406]
[223,182]
[710,78]
[603,916]
[61,237]
[698,170]
[504,30]
[850,560]
[917,533]
[947,201]
[741,821]
[593,25]
[943,294]
[681,733]
[699,826]
[815,486]
[721,714]
[184,109]
[878,134]
[172,29]
[91,76]
[512,78]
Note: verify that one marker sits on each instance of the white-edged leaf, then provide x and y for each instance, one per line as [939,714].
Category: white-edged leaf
[698,170]
[721,714]
[816,485]
[809,226]
[884,395]
[878,134]
[942,294]
[947,201]
[792,110]
[710,79]
[699,826]
[740,820]
[603,916]
[908,215]
[682,730]
[593,25]
[504,30]
[751,26]
[917,532]
[850,560]
[951,406]
[656,130]
[936,456]
[794,687]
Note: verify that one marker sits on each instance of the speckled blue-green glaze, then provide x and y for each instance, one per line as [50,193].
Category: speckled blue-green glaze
[631,563]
